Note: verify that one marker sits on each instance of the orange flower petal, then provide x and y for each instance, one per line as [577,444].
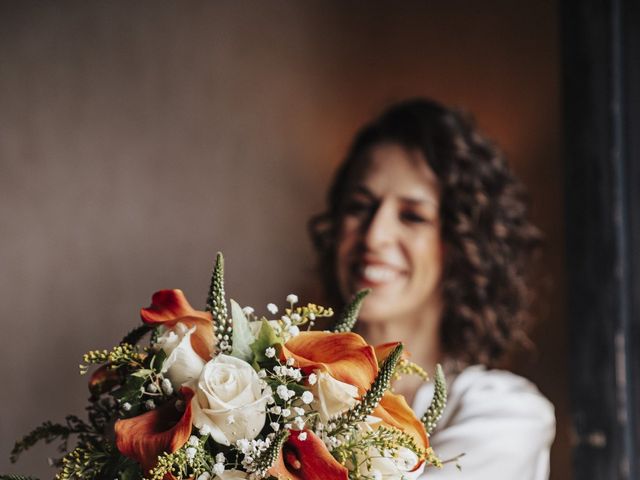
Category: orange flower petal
[169,307]
[165,429]
[383,351]
[394,411]
[345,356]
[307,459]
[103,380]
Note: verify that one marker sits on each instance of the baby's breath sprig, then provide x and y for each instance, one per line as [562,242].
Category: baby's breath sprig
[189,461]
[307,314]
[350,314]
[372,398]
[382,439]
[439,401]
[217,305]
[120,355]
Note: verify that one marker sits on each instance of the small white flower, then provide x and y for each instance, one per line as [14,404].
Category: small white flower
[295,317]
[270,352]
[205,430]
[292,298]
[126,406]
[299,410]
[244,445]
[287,426]
[152,387]
[262,373]
[283,392]
[248,310]
[294,330]
[286,320]
[218,468]
[307,397]
[277,410]
[273,309]
[275,426]
[299,423]
[292,393]
[191,452]
[150,404]
[220,458]
[286,412]
[312,316]
[167,388]
[313,378]
[193,441]
[302,436]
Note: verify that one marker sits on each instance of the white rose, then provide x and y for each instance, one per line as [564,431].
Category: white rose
[182,364]
[229,400]
[331,396]
[232,475]
[399,466]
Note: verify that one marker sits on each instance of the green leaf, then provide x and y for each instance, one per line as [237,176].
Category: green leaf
[157,360]
[242,336]
[142,373]
[266,338]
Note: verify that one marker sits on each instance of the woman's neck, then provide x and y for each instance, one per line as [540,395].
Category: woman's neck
[421,339]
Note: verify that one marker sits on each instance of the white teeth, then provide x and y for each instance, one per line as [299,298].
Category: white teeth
[379,273]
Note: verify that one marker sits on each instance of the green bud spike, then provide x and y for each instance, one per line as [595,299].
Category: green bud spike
[268,458]
[439,401]
[217,305]
[372,398]
[350,314]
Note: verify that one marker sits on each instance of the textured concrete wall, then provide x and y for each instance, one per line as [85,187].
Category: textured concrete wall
[138,138]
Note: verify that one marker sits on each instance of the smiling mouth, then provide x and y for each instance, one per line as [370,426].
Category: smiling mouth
[378,274]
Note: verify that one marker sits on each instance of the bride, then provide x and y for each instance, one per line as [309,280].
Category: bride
[425,212]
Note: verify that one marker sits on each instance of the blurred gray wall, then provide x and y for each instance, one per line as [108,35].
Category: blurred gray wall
[139,138]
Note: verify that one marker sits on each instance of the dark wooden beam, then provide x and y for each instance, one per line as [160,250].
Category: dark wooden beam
[601,57]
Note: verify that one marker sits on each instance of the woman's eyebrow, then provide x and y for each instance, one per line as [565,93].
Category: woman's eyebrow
[419,201]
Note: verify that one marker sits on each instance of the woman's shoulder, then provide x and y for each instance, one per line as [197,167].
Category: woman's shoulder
[490,392]
[478,394]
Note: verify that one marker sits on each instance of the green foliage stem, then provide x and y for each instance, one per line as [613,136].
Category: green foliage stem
[350,314]
[372,398]
[438,403]
[217,305]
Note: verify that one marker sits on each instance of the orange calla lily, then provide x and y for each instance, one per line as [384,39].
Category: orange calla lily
[168,307]
[383,351]
[103,380]
[165,429]
[344,356]
[394,411]
[307,459]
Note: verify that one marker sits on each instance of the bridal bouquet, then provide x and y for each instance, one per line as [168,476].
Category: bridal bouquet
[229,397]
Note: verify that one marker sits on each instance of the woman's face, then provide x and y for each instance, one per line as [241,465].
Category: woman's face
[389,238]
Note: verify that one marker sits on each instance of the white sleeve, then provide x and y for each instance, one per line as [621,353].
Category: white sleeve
[501,423]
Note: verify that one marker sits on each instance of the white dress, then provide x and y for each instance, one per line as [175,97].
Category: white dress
[500,421]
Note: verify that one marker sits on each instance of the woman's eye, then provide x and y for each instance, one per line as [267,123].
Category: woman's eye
[356,207]
[413,217]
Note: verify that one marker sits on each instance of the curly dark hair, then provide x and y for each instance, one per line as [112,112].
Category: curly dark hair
[484,226]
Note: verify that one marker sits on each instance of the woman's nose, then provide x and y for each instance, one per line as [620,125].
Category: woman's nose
[380,230]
